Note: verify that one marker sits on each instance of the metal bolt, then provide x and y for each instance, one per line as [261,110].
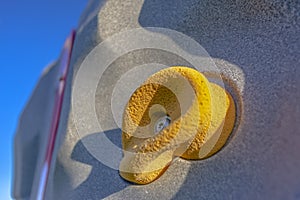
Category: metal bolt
[162,123]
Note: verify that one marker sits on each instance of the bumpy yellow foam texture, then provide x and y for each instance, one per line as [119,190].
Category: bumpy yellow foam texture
[223,112]
[197,110]
[222,123]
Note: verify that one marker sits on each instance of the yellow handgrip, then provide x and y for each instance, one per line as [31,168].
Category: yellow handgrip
[197,110]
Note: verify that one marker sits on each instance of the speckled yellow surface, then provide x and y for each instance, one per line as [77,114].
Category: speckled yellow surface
[223,112]
[198,127]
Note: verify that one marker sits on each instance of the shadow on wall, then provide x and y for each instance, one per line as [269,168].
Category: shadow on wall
[103,180]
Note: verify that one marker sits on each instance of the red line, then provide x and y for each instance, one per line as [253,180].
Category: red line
[64,67]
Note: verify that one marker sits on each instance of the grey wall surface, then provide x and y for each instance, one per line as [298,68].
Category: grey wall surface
[256,46]
[32,135]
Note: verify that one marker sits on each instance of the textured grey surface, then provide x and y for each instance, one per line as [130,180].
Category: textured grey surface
[255,44]
[32,134]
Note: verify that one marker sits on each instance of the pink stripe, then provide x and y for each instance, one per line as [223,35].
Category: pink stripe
[64,67]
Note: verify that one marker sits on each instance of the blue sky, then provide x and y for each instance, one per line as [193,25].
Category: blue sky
[32,33]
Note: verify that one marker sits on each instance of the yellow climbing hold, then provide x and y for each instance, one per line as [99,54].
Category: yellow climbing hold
[176,112]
